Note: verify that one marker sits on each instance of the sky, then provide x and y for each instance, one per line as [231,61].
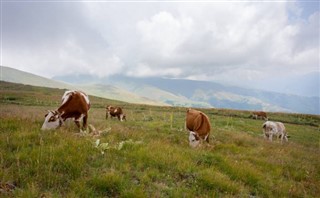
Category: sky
[245,43]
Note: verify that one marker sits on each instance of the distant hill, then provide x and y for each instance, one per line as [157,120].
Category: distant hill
[299,84]
[175,92]
[105,91]
[137,86]
[181,92]
[16,76]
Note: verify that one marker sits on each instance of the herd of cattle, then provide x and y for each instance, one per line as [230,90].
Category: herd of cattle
[76,104]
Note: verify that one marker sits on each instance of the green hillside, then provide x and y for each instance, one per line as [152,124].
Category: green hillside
[148,155]
[16,76]
[106,91]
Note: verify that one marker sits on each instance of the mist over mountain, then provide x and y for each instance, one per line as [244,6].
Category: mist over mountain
[182,92]
[102,90]
[175,92]
[299,84]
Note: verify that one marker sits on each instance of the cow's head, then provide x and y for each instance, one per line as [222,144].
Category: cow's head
[52,120]
[108,108]
[268,127]
[194,139]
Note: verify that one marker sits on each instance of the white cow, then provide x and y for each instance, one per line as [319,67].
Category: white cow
[270,128]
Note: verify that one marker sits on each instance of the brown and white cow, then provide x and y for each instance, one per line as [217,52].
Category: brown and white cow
[259,114]
[198,125]
[270,129]
[75,104]
[115,112]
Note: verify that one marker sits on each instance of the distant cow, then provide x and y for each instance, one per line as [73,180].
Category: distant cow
[75,104]
[270,128]
[259,114]
[198,125]
[115,112]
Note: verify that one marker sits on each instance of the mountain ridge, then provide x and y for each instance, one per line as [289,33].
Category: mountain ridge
[110,92]
[208,94]
[172,92]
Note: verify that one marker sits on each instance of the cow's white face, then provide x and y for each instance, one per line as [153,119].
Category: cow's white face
[269,127]
[194,139]
[51,121]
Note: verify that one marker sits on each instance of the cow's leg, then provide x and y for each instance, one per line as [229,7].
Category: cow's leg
[121,117]
[77,123]
[207,138]
[282,137]
[285,137]
[108,115]
[85,118]
[270,137]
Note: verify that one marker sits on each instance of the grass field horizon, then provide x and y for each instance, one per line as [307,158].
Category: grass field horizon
[148,155]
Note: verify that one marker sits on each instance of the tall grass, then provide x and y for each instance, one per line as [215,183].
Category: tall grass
[155,159]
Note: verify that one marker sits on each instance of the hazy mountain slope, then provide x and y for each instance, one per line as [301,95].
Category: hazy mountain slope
[106,91]
[115,93]
[219,95]
[205,94]
[224,96]
[16,76]
[137,86]
[155,93]
[299,84]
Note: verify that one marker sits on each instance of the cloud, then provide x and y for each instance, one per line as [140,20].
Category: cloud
[211,41]
[205,41]
[143,70]
[55,39]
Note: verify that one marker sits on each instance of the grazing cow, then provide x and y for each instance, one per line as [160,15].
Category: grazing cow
[198,125]
[270,128]
[259,114]
[75,104]
[115,112]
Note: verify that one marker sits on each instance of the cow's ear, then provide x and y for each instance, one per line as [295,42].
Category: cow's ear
[48,111]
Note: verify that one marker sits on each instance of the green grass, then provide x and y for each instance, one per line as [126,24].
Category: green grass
[155,159]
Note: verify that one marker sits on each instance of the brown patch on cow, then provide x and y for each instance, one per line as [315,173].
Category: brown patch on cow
[199,123]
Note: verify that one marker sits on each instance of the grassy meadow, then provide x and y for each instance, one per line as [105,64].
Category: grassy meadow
[148,155]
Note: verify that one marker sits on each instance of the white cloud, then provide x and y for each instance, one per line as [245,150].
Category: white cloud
[161,35]
[205,41]
[143,70]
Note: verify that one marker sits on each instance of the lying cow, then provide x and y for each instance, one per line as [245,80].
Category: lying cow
[115,112]
[270,129]
[259,114]
[75,104]
[198,125]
